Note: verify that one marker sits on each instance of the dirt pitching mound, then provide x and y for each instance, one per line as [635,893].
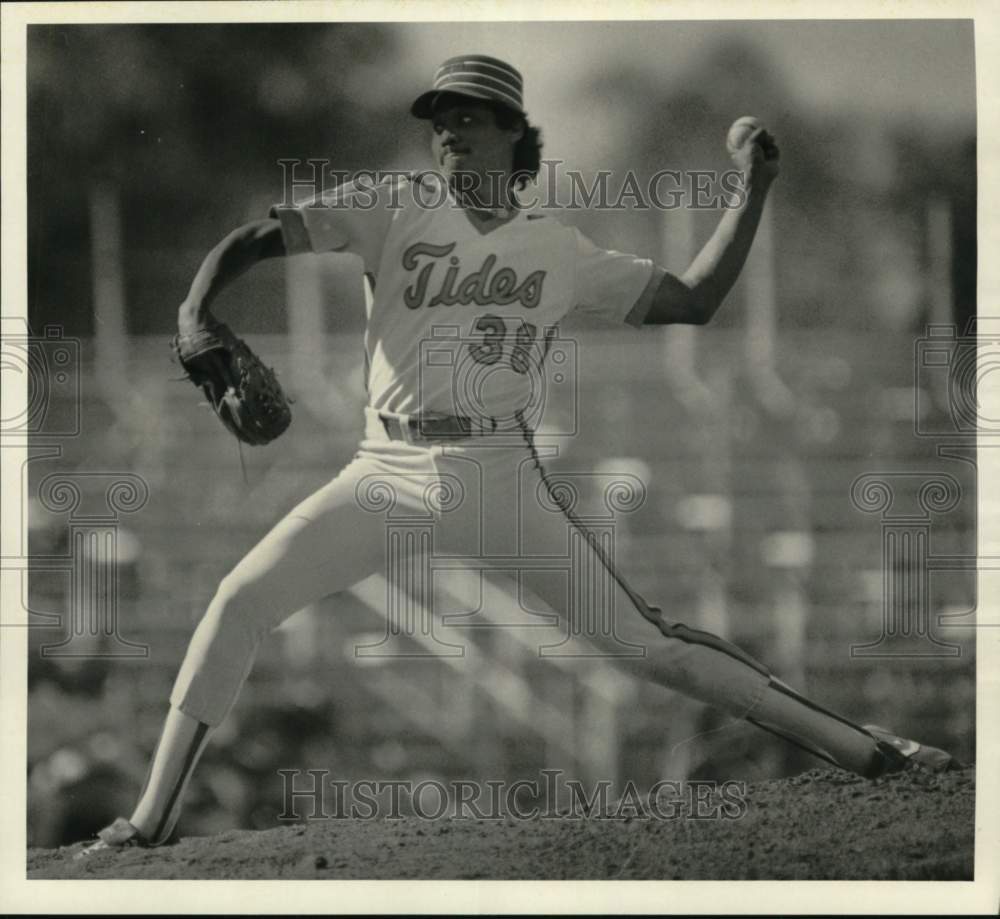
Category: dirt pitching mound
[821,825]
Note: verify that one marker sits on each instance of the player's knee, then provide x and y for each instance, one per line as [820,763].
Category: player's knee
[660,655]
[233,605]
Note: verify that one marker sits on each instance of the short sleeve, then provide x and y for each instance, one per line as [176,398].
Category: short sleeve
[615,285]
[354,217]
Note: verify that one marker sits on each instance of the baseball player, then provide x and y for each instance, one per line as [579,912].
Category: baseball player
[455,261]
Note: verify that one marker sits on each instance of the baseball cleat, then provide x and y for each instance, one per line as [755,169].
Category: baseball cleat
[119,835]
[900,753]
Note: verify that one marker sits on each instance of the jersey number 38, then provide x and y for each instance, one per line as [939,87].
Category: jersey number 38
[491,349]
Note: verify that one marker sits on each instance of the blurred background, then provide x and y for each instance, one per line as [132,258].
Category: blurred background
[147,144]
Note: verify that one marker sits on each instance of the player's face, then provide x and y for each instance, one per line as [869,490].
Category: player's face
[469,146]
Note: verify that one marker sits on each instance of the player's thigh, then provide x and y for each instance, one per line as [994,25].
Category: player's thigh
[582,577]
[328,542]
[509,511]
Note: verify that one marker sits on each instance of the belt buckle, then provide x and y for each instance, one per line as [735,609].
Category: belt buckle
[435,428]
[394,429]
[479,426]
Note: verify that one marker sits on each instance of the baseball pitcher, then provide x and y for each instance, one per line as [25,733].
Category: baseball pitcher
[453,258]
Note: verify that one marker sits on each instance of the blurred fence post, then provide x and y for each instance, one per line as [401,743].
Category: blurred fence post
[939,260]
[304,291]
[761,295]
[108,280]
[761,311]
[789,555]
[311,384]
[678,247]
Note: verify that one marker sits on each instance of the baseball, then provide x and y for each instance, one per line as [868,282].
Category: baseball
[740,130]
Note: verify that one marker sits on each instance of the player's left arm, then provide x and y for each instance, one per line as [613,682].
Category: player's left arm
[695,296]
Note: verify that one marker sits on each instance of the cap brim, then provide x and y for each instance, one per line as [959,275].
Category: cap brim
[423,107]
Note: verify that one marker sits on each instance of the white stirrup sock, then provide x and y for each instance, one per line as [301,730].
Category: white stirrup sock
[177,752]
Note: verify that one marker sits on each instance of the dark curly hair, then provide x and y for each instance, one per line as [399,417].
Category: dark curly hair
[527,151]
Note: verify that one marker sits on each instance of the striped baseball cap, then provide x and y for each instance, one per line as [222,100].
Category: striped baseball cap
[477,76]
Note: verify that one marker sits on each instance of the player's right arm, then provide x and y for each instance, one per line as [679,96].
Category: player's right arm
[358,224]
[695,297]
[237,253]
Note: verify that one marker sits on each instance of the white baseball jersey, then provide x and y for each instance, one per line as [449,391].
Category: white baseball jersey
[461,316]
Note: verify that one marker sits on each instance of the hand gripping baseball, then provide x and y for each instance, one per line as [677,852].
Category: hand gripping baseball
[243,392]
[753,149]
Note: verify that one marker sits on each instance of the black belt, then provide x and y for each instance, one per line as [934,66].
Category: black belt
[421,428]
